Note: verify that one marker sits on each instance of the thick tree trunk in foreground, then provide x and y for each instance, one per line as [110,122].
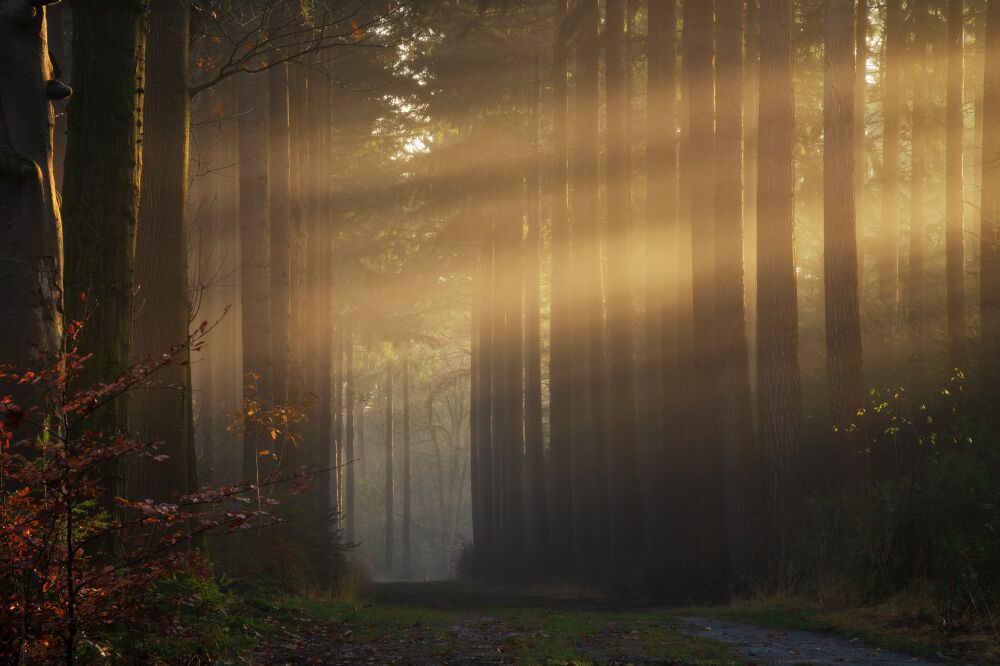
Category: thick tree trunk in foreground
[163,310]
[989,230]
[101,186]
[735,417]
[31,259]
[955,186]
[843,317]
[778,380]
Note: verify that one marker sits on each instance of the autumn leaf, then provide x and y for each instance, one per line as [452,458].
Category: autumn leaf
[264,452]
[356,31]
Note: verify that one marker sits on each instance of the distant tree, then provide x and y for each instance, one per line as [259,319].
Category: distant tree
[955,185]
[389,480]
[888,245]
[915,293]
[407,474]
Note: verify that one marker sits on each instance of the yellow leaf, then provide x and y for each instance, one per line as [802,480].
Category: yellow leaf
[264,452]
[274,434]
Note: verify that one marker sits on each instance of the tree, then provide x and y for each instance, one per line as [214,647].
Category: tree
[840,259]
[989,225]
[163,311]
[955,185]
[32,270]
[407,472]
[389,487]
[778,380]
[735,416]
[350,399]
[626,489]
[280,218]
[860,107]
[915,292]
[888,245]
[101,187]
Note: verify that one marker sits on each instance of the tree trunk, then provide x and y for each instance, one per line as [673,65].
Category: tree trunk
[955,186]
[888,245]
[56,18]
[626,489]
[735,417]
[280,214]
[485,548]
[349,508]
[560,332]
[989,231]
[915,292]
[842,293]
[660,374]
[31,261]
[860,155]
[534,442]
[590,502]
[254,267]
[407,499]
[163,308]
[389,541]
[778,381]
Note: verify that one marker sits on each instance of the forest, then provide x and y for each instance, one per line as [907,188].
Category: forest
[499,331]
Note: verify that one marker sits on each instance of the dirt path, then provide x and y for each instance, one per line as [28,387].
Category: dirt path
[446,623]
[770,646]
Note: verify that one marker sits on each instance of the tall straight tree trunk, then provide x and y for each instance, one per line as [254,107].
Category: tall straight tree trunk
[389,487]
[100,188]
[989,230]
[735,417]
[915,292]
[350,400]
[280,215]
[407,489]
[591,517]
[751,107]
[534,436]
[255,254]
[860,156]
[778,381]
[56,16]
[337,397]
[660,374]
[485,547]
[31,262]
[955,185]
[888,244]
[163,308]
[706,480]
[476,426]
[840,260]
[560,333]
[626,485]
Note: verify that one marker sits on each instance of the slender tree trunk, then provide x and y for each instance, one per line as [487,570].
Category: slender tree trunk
[255,265]
[842,293]
[485,549]
[389,533]
[626,485]
[888,253]
[407,490]
[56,18]
[591,500]
[100,187]
[560,333]
[163,307]
[534,443]
[350,501]
[778,380]
[476,427]
[915,292]
[280,215]
[751,113]
[955,185]
[735,417]
[860,155]
[989,231]
[31,267]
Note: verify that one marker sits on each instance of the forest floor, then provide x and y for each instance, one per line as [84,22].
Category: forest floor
[452,623]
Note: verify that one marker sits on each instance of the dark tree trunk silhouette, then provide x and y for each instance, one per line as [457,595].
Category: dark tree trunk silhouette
[955,185]
[842,293]
[860,156]
[31,268]
[989,229]
[915,293]
[778,380]
[389,487]
[888,245]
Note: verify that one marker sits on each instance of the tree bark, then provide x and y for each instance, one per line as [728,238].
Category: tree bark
[915,293]
[955,185]
[778,381]
[842,292]
[163,309]
[407,488]
[31,258]
[389,532]
[860,107]
[989,229]
[350,400]
[279,214]
[888,245]
[735,417]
